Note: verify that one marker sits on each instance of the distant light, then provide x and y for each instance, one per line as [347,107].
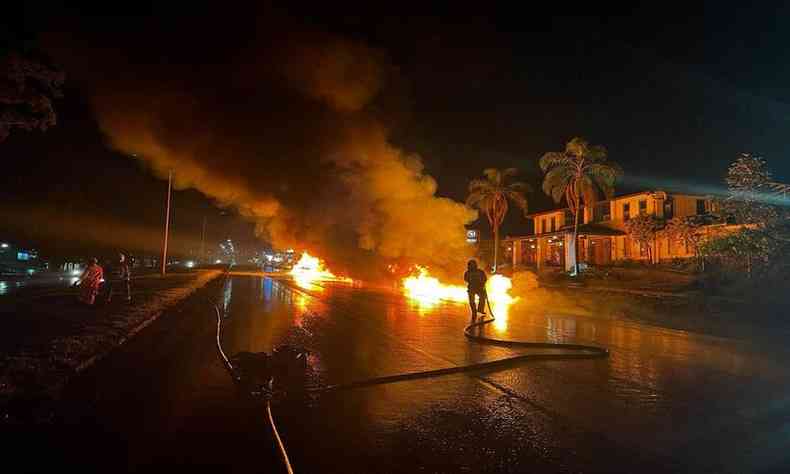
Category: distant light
[76,272]
[30,271]
[189,264]
[4,245]
[218,261]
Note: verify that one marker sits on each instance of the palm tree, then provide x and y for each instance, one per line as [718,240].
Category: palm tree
[577,174]
[491,196]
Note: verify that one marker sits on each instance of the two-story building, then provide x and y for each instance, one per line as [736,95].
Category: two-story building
[602,232]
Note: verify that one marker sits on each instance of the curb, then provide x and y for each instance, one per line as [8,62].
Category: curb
[53,391]
[133,332]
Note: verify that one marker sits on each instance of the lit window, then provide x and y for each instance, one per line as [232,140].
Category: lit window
[626,211]
[568,217]
[668,209]
[601,212]
[700,206]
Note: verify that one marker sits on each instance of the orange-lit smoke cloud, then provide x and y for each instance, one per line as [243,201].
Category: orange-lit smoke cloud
[286,128]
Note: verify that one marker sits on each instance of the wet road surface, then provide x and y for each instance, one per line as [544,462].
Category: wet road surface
[50,281]
[664,401]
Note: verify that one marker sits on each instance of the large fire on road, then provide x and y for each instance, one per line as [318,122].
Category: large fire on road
[310,269]
[427,292]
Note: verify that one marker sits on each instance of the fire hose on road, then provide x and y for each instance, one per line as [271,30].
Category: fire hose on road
[265,387]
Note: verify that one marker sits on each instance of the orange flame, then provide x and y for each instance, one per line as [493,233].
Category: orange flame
[310,269]
[498,289]
[427,292]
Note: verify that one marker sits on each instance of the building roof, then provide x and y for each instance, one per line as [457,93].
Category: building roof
[550,211]
[622,196]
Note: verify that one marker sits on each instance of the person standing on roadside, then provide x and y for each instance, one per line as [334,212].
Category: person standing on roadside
[90,281]
[120,276]
[476,286]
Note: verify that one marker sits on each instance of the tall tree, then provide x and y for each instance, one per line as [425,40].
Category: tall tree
[644,229]
[750,185]
[782,190]
[491,196]
[765,238]
[578,174]
[686,230]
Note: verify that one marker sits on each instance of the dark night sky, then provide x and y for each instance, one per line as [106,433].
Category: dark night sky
[675,95]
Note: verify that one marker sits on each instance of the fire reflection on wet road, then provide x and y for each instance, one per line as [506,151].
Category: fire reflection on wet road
[665,400]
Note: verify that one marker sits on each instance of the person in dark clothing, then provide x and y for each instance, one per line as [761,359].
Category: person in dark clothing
[476,286]
[120,276]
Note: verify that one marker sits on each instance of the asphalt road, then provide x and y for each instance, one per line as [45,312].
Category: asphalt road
[664,401]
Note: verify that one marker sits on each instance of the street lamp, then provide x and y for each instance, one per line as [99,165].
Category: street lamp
[167,223]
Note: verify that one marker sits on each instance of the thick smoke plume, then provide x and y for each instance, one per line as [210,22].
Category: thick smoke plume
[285,127]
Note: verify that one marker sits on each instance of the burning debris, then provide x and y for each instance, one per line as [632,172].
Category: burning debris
[427,292]
[310,269]
[420,287]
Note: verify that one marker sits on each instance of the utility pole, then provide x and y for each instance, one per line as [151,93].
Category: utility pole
[167,223]
[203,243]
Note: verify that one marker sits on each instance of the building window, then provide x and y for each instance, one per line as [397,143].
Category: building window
[642,207]
[626,247]
[669,209]
[642,249]
[700,206]
[626,211]
[553,224]
[543,226]
[568,217]
[601,212]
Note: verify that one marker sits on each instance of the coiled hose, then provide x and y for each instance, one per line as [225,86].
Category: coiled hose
[573,351]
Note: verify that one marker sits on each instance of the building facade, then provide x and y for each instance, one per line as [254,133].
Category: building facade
[603,238]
